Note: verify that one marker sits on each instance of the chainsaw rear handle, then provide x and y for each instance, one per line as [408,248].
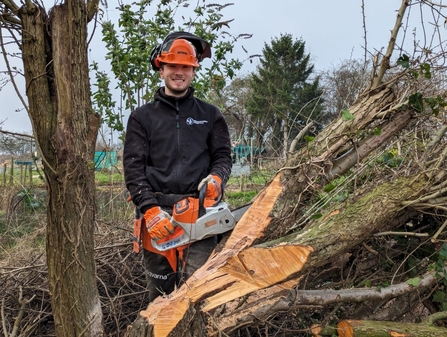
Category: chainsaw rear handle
[202,194]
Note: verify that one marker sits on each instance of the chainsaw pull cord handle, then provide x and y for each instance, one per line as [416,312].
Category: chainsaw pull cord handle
[202,194]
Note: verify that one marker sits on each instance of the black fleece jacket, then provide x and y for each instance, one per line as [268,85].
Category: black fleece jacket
[171,145]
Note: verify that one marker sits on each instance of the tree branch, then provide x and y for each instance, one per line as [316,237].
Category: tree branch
[16,134]
[10,72]
[10,19]
[11,5]
[92,9]
[384,65]
[262,308]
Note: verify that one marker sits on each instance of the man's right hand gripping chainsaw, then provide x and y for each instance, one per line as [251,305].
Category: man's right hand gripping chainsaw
[194,222]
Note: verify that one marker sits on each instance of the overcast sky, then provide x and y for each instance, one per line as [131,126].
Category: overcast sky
[332,30]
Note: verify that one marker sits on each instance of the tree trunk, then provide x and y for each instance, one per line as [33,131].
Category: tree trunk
[58,89]
[351,328]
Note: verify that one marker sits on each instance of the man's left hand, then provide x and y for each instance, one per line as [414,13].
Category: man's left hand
[213,192]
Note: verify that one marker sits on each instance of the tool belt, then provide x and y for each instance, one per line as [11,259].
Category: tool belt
[169,200]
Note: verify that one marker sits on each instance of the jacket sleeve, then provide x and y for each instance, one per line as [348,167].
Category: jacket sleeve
[220,148]
[135,159]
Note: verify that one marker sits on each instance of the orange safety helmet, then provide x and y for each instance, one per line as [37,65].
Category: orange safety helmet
[178,51]
[180,48]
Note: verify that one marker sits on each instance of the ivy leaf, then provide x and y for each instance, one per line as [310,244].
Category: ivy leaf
[414,281]
[404,61]
[309,138]
[439,297]
[329,187]
[316,216]
[443,251]
[346,115]
[426,70]
[416,102]
[378,131]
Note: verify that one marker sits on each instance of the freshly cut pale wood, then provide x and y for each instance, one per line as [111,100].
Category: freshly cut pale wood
[232,273]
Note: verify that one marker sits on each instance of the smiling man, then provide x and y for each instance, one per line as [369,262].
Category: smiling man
[173,146]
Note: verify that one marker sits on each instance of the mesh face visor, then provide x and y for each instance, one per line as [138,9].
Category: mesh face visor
[178,51]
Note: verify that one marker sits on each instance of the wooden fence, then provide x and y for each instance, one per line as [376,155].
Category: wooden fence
[16,174]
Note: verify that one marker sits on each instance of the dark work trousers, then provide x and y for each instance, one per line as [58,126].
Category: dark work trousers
[162,279]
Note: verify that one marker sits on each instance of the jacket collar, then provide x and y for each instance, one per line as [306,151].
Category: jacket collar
[161,95]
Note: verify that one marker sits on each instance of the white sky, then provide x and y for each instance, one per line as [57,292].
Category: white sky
[332,29]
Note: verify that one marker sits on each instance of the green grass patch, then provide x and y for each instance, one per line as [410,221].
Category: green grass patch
[237,198]
[104,177]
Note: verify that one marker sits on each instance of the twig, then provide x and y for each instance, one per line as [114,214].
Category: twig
[402,233]
[369,249]
[5,332]
[18,319]
[439,231]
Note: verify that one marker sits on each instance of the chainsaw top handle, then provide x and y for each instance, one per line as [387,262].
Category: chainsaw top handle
[202,194]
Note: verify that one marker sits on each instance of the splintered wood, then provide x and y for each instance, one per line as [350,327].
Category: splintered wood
[233,272]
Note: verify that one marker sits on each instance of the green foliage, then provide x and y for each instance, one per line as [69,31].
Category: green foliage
[390,158]
[414,281]
[283,95]
[404,61]
[104,178]
[239,198]
[346,115]
[27,198]
[440,296]
[130,45]
[435,103]
[416,102]
[383,284]
[425,70]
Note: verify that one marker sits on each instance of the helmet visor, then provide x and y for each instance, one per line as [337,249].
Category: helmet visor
[178,51]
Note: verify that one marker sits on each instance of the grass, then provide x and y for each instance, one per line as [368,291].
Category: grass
[238,198]
[104,177]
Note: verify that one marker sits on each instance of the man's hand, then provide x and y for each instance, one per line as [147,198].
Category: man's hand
[213,192]
[157,223]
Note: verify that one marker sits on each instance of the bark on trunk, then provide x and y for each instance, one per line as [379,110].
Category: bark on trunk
[57,84]
[351,328]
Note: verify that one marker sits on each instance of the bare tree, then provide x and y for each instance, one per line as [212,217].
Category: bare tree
[55,63]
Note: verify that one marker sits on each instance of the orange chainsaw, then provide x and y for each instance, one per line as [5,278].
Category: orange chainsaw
[193,221]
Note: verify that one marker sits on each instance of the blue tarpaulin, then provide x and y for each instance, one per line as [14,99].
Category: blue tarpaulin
[105,160]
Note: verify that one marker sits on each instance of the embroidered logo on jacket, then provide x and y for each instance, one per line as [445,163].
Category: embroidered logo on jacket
[191,121]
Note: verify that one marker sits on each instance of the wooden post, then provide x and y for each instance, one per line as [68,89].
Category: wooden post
[11,173]
[5,167]
[242,183]
[22,175]
[30,175]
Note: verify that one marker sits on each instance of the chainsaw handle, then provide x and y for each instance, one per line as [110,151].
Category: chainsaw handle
[202,193]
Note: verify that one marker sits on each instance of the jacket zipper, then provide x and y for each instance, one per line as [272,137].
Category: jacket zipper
[177,121]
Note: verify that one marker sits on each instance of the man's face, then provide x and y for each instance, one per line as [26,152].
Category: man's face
[177,78]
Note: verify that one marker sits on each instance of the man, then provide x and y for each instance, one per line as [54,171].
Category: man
[173,146]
